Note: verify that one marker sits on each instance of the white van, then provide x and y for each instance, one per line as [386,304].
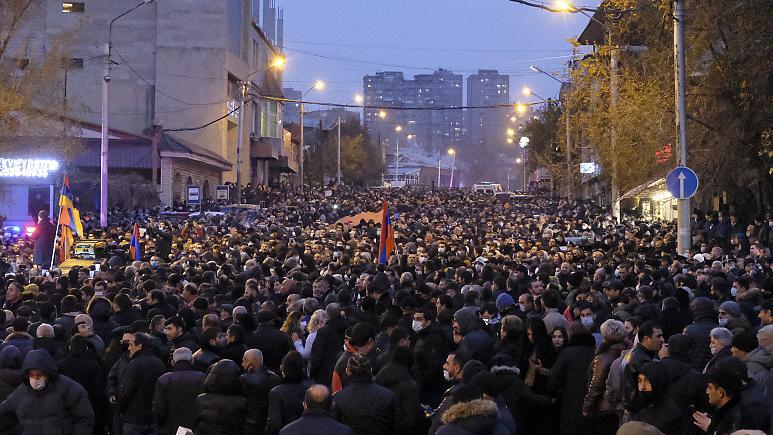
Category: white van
[487,187]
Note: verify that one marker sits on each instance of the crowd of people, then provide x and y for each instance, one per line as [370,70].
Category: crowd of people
[530,317]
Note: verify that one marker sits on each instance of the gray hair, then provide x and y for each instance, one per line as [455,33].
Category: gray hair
[722,334]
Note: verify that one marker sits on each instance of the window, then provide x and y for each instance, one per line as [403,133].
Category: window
[70,7]
[271,119]
[235,26]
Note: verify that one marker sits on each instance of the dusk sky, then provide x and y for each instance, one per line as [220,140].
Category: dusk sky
[339,41]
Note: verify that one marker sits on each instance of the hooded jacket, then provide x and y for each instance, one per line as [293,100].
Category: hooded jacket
[704,320]
[655,407]
[10,371]
[60,407]
[474,417]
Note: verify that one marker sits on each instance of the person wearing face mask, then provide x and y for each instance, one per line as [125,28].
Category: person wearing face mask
[655,407]
[46,402]
[730,317]
[720,346]
[452,372]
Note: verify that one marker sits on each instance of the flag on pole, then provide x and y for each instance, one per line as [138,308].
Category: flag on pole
[69,216]
[386,245]
[69,221]
[134,247]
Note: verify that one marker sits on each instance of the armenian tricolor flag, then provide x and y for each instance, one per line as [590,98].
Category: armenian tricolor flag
[69,220]
[386,245]
[134,247]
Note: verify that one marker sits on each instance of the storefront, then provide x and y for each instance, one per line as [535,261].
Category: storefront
[27,186]
[650,201]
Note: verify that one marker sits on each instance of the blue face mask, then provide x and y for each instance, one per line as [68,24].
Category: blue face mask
[733,291]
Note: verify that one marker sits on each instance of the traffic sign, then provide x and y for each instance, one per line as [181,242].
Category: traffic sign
[194,195]
[682,182]
[221,192]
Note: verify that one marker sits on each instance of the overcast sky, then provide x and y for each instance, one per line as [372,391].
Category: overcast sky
[340,41]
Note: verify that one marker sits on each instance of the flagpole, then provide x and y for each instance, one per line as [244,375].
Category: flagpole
[56,234]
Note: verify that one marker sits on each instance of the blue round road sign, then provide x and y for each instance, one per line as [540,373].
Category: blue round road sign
[682,182]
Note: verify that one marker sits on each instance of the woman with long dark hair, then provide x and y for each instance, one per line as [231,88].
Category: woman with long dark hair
[538,355]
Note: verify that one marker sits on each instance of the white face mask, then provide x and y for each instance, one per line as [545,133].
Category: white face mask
[417,326]
[447,376]
[38,384]
[733,291]
[587,322]
[722,322]
[522,307]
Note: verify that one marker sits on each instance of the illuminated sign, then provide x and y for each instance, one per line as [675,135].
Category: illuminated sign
[29,168]
[588,168]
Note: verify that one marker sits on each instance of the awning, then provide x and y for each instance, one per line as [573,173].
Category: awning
[652,189]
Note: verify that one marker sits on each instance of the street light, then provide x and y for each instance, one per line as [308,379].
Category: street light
[452,152]
[510,132]
[318,85]
[359,99]
[104,140]
[520,108]
[398,129]
[382,114]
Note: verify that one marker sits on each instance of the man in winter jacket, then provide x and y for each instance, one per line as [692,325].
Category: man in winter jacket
[475,344]
[376,415]
[650,341]
[138,384]
[174,401]
[46,402]
[704,320]
[686,386]
[316,418]
[471,413]
[257,382]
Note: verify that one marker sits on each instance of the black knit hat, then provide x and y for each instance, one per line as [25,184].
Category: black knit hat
[745,341]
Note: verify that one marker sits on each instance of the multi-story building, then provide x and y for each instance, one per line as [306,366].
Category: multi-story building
[434,130]
[292,111]
[175,66]
[486,125]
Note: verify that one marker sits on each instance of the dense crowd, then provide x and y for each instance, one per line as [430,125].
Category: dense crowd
[531,317]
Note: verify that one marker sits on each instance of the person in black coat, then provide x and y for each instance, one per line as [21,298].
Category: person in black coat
[396,375]
[327,346]
[222,406]
[44,235]
[100,309]
[431,351]
[274,343]
[10,371]
[138,385]
[686,386]
[655,407]
[124,314]
[316,418]
[89,374]
[704,320]
[163,240]
[174,401]
[257,381]
[46,403]
[285,401]
[569,376]
[518,396]
[377,415]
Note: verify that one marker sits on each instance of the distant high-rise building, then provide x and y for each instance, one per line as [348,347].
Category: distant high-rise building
[292,110]
[487,126]
[434,130]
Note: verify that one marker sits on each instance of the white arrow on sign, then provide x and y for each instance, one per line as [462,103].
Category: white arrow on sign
[681,184]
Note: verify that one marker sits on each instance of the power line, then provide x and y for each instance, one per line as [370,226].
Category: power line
[388,108]
[463,50]
[232,111]
[158,91]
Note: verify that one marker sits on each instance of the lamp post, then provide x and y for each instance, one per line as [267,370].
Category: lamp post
[318,85]
[523,143]
[452,152]
[398,129]
[103,152]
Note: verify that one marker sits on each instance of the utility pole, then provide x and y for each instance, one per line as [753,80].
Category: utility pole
[104,141]
[338,172]
[397,158]
[303,148]
[569,168]
[682,205]
[239,141]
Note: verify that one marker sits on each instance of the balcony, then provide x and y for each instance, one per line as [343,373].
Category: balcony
[265,148]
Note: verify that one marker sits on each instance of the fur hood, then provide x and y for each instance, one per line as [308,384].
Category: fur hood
[476,408]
